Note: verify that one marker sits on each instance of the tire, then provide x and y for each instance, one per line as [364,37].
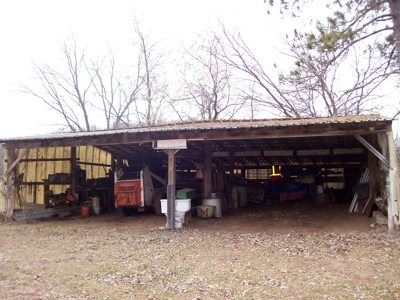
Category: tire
[125,211]
[157,203]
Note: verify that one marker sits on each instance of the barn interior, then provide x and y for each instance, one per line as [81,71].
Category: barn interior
[260,163]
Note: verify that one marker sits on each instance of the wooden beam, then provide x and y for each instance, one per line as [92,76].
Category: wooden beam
[93,164]
[313,152]
[73,170]
[220,154]
[348,151]
[373,150]
[248,153]
[158,178]
[17,160]
[207,181]
[278,152]
[393,186]
[171,189]
[231,165]
[10,192]
[45,159]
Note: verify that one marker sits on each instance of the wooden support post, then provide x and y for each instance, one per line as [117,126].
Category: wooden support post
[113,164]
[73,170]
[392,185]
[207,182]
[171,189]
[373,177]
[119,163]
[10,195]
[46,191]
[231,166]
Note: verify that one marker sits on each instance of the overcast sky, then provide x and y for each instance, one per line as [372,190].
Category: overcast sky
[30,30]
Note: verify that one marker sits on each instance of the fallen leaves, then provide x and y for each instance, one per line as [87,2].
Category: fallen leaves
[73,262]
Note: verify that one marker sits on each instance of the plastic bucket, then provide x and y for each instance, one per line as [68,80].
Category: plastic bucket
[85,210]
[96,210]
[217,204]
[95,201]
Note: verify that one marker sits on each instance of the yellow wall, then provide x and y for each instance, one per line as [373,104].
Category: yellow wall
[37,171]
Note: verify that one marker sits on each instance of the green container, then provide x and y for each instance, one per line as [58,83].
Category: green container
[185,193]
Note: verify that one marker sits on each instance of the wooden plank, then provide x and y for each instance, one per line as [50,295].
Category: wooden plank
[10,192]
[73,170]
[278,152]
[92,164]
[171,189]
[45,159]
[248,153]
[373,178]
[392,185]
[220,154]
[228,188]
[231,165]
[373,150]
[313,152]
[348,151]
[17,160]
[207,181]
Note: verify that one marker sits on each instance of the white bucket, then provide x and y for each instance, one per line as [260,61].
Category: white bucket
[320,189]
[217,204]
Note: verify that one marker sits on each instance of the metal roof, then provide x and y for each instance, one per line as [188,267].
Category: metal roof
[209,125]
[252,142]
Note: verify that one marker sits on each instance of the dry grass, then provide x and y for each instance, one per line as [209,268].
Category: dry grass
[38,261]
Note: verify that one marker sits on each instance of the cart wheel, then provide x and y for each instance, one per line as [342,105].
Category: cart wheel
[125,211]
[128,211]
[157,203]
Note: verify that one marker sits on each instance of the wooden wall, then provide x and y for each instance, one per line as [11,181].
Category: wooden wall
[37,171]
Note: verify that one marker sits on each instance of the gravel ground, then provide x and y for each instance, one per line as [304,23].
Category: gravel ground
[76,260]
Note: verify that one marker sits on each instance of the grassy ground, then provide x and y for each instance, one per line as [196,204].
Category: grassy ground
[65,261]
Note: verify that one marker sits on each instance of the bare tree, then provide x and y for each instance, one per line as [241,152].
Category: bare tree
[116,92]
[238,55]
[66,92]
[80,89]
[209,87]
[332,83]
[153,96]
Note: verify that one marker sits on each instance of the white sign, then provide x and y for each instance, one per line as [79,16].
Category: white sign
[170,144]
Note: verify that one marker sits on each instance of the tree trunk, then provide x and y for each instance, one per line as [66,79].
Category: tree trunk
[395,11]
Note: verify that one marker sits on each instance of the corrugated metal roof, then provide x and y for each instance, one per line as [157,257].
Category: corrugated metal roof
[211,125]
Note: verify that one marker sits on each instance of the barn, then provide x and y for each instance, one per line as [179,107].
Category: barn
[322,160]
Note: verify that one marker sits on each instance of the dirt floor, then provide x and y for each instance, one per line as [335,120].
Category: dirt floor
[255,218]
[293,251]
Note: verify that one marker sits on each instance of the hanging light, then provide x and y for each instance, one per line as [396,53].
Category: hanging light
[276,173]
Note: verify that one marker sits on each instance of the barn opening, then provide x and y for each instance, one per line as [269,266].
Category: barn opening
[243,163]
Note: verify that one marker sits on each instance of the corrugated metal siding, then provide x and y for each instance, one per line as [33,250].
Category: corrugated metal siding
[213,125]
[37,171]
